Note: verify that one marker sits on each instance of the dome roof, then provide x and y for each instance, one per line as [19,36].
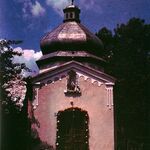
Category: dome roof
[71,35]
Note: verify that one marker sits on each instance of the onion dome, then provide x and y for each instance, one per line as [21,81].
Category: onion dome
[71,35]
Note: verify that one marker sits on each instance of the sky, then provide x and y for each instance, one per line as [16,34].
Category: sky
[30,20]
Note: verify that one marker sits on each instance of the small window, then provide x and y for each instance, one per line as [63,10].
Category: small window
[66,15]
[71,15]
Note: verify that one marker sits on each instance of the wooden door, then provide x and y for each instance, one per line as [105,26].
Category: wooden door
[72,130]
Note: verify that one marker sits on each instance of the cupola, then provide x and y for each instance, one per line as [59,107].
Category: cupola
[72,13]
[71,35]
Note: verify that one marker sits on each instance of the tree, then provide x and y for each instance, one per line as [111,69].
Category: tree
[13,91]
[13,86]
[127,51]
[106,36]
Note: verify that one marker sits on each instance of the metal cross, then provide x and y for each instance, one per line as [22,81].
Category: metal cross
[72,1]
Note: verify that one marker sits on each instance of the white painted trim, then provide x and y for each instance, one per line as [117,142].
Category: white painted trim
[108,85]
[35,102]
[87,77]
[59,76]
[77,67]
[109,96]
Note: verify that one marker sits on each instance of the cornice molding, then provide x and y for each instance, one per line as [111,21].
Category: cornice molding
[78,67]
[95,76]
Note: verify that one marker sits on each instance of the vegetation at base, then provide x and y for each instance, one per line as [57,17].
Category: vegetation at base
[12,98]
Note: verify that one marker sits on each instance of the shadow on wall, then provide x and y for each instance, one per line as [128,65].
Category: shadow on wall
[35,143]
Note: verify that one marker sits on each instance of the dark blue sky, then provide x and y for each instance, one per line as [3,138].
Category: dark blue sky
[29,20]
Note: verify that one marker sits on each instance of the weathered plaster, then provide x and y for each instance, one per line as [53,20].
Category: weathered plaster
[94,100]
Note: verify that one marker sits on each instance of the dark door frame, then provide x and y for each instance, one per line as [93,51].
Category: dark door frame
[72,129]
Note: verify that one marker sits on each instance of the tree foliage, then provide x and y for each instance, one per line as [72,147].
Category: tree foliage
[12,95]
[127,51]
[13,86]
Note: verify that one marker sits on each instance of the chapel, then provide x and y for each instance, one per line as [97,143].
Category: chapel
[72,102]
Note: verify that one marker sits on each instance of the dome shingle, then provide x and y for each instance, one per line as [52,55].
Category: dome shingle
[71,35]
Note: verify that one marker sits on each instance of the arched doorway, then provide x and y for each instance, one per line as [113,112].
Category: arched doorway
[72,129]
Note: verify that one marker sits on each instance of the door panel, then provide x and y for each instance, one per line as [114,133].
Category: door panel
[72,130]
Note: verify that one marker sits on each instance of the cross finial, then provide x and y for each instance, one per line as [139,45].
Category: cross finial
[72,1]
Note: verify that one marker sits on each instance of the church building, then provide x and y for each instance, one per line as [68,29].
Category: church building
[72,103]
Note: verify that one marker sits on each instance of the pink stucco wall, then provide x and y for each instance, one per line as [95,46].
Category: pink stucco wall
[51,99]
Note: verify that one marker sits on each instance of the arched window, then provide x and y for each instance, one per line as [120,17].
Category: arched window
[66,15]
[71,15]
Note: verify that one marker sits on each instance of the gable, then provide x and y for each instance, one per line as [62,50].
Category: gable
[86,72]
[61,71]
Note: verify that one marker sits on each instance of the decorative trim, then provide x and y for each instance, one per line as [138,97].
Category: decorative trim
[72,87]
[109,88]
[35,101]
[64,74]
[92,80]
[35,95]
[98,75]
[52,80]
